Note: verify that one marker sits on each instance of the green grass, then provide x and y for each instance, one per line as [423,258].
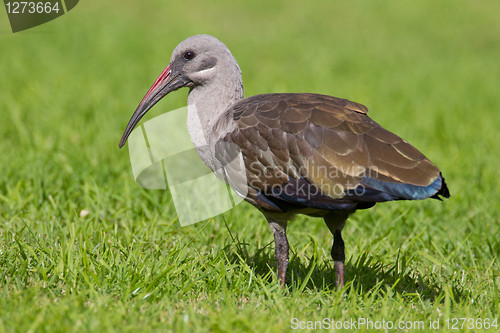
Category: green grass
[427,70]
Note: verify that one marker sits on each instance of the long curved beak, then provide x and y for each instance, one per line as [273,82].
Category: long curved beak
[163,85]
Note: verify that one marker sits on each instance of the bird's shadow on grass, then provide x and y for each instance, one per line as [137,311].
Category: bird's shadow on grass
[364,274]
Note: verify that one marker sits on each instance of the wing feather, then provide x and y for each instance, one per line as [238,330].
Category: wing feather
[330,143]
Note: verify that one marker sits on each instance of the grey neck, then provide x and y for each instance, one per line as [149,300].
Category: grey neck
[207,103]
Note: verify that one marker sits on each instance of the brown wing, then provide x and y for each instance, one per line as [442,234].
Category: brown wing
[329,142]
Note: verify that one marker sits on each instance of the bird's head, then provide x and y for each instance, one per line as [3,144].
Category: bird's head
[196,61]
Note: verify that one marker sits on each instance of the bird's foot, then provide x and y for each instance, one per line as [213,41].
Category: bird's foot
[339,274]
[282,280]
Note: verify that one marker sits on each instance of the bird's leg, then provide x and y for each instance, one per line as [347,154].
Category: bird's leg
[338,256]
[335,222]
[281,247]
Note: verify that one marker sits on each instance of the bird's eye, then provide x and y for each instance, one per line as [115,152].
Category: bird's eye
[189,55]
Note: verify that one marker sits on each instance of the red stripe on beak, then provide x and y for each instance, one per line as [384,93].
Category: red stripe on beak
[154,94]
[157,86]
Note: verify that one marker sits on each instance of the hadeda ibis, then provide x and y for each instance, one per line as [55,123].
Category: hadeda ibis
[303,153]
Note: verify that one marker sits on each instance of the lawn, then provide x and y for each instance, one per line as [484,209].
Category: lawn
[83,248]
